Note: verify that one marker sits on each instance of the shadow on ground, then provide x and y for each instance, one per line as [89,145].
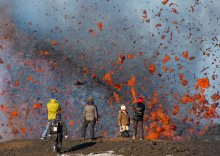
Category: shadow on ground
[80,146]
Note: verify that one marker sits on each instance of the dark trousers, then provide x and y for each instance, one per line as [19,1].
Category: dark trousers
[91,131]
[58,142]
[135,125]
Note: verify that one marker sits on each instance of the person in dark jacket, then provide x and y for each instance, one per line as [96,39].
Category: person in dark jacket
[90,115]
[138,116]
[57,131]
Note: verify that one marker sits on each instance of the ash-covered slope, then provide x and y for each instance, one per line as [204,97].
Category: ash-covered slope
[122,147]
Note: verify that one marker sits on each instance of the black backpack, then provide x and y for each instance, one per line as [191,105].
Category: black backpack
[55,127]
[139,112]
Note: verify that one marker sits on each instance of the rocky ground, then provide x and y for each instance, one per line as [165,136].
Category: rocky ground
[116,146]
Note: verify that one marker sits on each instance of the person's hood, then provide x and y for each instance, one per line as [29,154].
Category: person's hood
[90,100]
[123,107]
[53,100]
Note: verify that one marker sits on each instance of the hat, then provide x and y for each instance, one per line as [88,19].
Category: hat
[123,107]
[90,99]
[140,99]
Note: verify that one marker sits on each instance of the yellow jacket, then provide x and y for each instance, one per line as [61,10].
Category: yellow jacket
[52,108]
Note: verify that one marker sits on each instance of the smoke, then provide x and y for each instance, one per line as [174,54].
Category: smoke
[47,45]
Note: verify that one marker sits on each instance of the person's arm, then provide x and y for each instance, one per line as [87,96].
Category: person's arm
[119,118]
[129,119]
[64,129]
[59,111]
[133,108]
[59,107]
[96,114]
[84,112]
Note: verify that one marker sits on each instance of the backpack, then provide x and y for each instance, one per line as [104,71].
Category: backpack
[55,127]
[125,134]
[138,112]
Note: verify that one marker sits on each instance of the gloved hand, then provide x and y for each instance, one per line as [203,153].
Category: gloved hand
[66,137]
[121,128]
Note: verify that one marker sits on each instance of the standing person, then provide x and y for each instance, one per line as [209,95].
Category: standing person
[90,116]
[138,116]
[123,121]
[57,131]
[53,113]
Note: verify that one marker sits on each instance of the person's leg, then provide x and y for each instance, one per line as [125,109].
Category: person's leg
[59,143]
[46,130]
[142,129]
[129,131]
[92,130]
[55,145]
[84,127]
[126,129]
[123,128]
[135,123]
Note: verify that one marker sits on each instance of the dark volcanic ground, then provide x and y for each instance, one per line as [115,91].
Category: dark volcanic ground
[126,147]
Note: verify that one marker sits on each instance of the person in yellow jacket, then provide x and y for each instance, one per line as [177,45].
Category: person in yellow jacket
[53,109]
[53,113]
